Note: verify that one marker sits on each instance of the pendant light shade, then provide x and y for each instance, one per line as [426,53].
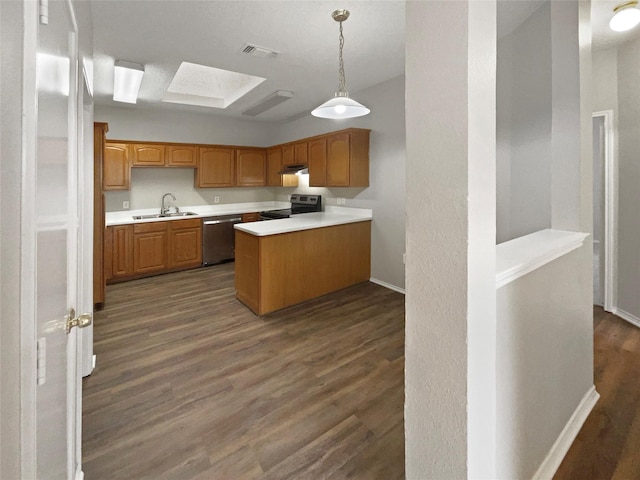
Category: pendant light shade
[340,106]
[626,16]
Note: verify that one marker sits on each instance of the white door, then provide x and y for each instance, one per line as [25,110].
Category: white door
[53,227]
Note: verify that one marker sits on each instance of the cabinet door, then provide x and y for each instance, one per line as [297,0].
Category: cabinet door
[122,251]
[185,243]
[288,154]
[318,163]
[149,247]
[338,160]
[147,155]
[301,153]
[215,167]
[116,171]
[251,168]
[181,155]
[274,165]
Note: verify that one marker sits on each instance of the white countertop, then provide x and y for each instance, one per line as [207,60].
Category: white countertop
[125,217]
[522,255]
[307,221]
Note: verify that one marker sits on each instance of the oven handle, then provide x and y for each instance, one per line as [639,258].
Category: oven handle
[226,220]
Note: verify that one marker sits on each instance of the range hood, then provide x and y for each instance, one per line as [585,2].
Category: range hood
[294,168]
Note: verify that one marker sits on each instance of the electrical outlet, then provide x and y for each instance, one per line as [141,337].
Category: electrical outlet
[216,199]
[125,204]
[341,201]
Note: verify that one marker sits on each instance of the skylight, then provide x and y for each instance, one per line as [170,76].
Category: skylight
[205,86]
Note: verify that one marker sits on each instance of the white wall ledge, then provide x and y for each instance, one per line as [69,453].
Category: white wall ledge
[522,255]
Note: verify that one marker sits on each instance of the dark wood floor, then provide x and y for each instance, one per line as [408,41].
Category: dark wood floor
[189,384]
[608,445]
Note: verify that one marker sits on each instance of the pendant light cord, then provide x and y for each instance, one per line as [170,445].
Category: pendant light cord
[342,84]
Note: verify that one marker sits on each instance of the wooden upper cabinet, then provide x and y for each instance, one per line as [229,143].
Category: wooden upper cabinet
[318,162]
[147,155]
[181,155]
[301,152]
[293,153]
[348,159]
[116,171]
[338,160]
[215,167]
[251,167]
[274,165]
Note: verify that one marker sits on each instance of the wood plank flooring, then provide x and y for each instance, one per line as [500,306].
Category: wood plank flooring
[607,446]
[189,384]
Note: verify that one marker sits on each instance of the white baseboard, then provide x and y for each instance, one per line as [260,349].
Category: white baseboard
[387,285]
[632,319]
[560,448]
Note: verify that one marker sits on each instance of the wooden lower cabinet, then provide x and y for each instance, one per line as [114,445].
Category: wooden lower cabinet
[251,217]
[121,238]
[150,247]
[185,243]
[277,271]
[146,249]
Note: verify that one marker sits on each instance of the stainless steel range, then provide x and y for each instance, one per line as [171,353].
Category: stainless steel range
[299,204]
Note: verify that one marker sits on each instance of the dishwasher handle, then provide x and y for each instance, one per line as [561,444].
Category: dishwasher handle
[226,220]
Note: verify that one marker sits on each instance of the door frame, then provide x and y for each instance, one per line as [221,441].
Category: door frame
[610,211]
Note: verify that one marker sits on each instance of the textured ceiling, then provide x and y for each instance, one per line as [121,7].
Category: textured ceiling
[162,34]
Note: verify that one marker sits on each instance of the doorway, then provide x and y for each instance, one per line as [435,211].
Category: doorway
[604,210]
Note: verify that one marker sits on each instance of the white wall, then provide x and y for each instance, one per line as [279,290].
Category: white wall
[544,362]
[451,205]
[628,73]
[11,50]
[386,192]
[148,184]
[524,127]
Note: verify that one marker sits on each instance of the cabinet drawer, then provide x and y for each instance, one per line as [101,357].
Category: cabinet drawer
[190,223]
[149,227]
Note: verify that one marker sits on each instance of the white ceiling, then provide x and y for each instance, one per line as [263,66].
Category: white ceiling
[162,34]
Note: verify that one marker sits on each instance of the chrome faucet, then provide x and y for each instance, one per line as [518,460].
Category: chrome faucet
[164,210]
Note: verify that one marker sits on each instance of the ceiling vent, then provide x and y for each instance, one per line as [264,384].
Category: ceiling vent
[256,51]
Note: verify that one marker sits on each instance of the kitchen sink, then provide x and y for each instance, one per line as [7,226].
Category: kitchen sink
[163,215]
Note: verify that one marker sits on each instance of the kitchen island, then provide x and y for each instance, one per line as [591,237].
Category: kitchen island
[280,263]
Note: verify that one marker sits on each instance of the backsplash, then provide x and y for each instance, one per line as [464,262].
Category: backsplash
[149,184]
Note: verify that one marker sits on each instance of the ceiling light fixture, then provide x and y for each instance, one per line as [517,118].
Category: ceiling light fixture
[626,16]
[127,77]
[341,106]
[276,98]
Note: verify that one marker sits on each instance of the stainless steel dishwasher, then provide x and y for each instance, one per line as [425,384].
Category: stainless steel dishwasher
[218,238]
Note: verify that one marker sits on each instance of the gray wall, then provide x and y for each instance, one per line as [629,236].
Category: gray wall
[524,117]
[629,178]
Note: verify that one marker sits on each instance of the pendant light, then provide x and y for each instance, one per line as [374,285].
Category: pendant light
[341,106]
[626,16]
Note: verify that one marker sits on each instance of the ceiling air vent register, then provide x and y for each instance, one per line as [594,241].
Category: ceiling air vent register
[256,51]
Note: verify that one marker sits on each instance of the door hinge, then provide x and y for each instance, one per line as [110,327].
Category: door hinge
[44,12]
[41,361]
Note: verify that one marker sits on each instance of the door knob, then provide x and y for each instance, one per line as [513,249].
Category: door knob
[81,321]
